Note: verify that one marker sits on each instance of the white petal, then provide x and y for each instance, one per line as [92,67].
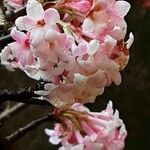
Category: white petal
[34,10]
[116,77]
[25,23]
[4,57]
[80,107]
[118,33]
[49,87]
[20,23]
[54,140]
[51,35]
[35,73]
[37,37]
[84,63]
[116,115]
[93,47]
[122,8]
[110,126]
[79,79]
[49,132]
[42,92]
[109,42]
[109,108]
[88,25]
[130,40]
[18,36]
[51,16]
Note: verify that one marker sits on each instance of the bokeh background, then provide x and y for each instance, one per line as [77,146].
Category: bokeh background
[131,98]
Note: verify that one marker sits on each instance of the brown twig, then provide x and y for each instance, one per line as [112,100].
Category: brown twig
[9,111]
[24,130]
[24,95]
[20,94]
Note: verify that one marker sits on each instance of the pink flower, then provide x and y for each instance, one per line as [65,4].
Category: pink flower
[81,6]
[93,68]
[111,15]
[79,61]
[18,52]
[84,130]
[38,21]
[37,18]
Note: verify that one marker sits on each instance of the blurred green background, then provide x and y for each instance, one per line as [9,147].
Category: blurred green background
[131,98]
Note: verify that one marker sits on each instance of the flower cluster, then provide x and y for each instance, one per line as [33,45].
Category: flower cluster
[81,129]
[77,46]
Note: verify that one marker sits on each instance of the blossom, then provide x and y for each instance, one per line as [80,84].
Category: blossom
[81,129]
[18,52]
[111,15]
[78,63]
[37,18]
[80,6]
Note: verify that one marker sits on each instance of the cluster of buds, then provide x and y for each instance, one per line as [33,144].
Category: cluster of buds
[77,46]
[81,129]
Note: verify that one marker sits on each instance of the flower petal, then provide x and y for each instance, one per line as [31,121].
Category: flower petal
[18,36]
[130,40]
[37,37]
[121,7]
[54,140]
[50,132]
[93,47]
[88,25]
[25,23]
[51,16]
[79,79]
[34,10]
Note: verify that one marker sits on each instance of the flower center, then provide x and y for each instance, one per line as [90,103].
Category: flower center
[27,43]
[41,23]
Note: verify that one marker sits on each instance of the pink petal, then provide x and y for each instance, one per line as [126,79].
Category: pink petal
[109,2]
[26,58]
[80,50]
[120,8]
[37,37]
[93,47]
[80,107]
[18,36]
[25,23]
[5,56]
[34,10]
[51,16]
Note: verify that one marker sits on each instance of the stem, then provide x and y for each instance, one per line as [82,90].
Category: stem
[19,95]
[24,95]
[8,111]
[24,130]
